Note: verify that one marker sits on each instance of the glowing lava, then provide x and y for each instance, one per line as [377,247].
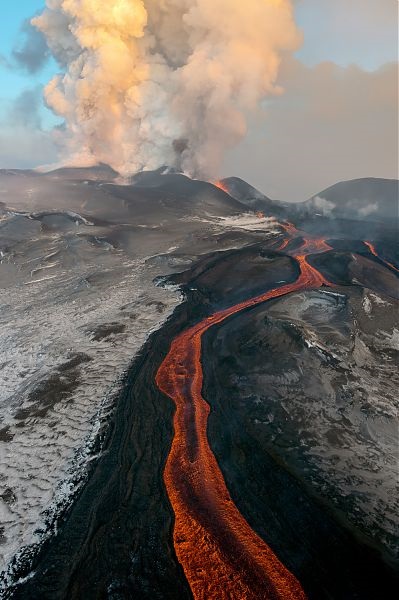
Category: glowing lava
[309,245]
[221,186]
[375,253]
[222,557]
[315,246]
[371,248]
[289,228]
[283,245]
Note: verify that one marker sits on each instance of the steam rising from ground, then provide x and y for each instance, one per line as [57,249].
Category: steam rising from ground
[152,82]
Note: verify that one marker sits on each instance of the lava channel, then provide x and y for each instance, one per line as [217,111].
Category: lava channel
[375,253]
[222,557]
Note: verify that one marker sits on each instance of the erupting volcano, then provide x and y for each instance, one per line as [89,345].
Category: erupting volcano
[198,393]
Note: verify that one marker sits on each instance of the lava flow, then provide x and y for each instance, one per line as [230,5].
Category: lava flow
[375,253]
[308,246]
[221,555]
[221,186]
[290,230]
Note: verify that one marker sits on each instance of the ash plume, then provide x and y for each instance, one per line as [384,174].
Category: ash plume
[146,83]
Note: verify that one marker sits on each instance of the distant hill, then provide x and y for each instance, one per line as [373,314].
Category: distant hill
[253,198]
[176,193]
[99,172]
[96,193]
[367,199]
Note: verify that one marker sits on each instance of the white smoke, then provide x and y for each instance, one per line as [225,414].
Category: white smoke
[152,82]
[368,210]
[323,206]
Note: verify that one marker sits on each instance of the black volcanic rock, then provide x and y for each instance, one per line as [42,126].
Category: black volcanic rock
[178,192]
[253,198]
[100,172]
[153,178]
[152,196]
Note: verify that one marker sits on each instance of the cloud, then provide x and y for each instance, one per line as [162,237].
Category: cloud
[24,111]
[31,51]
[332,124]
[154,82]
[25,148]
[23,141]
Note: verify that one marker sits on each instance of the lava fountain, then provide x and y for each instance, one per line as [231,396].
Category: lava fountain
[221,555]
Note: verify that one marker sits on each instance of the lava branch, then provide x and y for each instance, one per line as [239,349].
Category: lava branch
[309,245]
[374,252]
[221,555]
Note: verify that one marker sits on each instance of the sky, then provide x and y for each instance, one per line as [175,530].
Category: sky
[336,120]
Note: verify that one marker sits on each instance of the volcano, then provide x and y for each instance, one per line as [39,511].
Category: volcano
[198,388]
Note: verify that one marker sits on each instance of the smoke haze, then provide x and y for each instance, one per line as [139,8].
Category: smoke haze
[146,83]
[31,51]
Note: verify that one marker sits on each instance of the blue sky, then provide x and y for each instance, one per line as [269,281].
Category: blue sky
[362,32]
[14,81]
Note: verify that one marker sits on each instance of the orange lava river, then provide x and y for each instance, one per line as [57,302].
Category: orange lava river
[222,557]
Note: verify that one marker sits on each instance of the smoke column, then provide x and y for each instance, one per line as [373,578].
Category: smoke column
[146,83]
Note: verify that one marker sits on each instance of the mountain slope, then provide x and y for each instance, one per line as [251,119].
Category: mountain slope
[361,199]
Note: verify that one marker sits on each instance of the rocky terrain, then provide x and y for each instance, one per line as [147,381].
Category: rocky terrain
[301,388]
